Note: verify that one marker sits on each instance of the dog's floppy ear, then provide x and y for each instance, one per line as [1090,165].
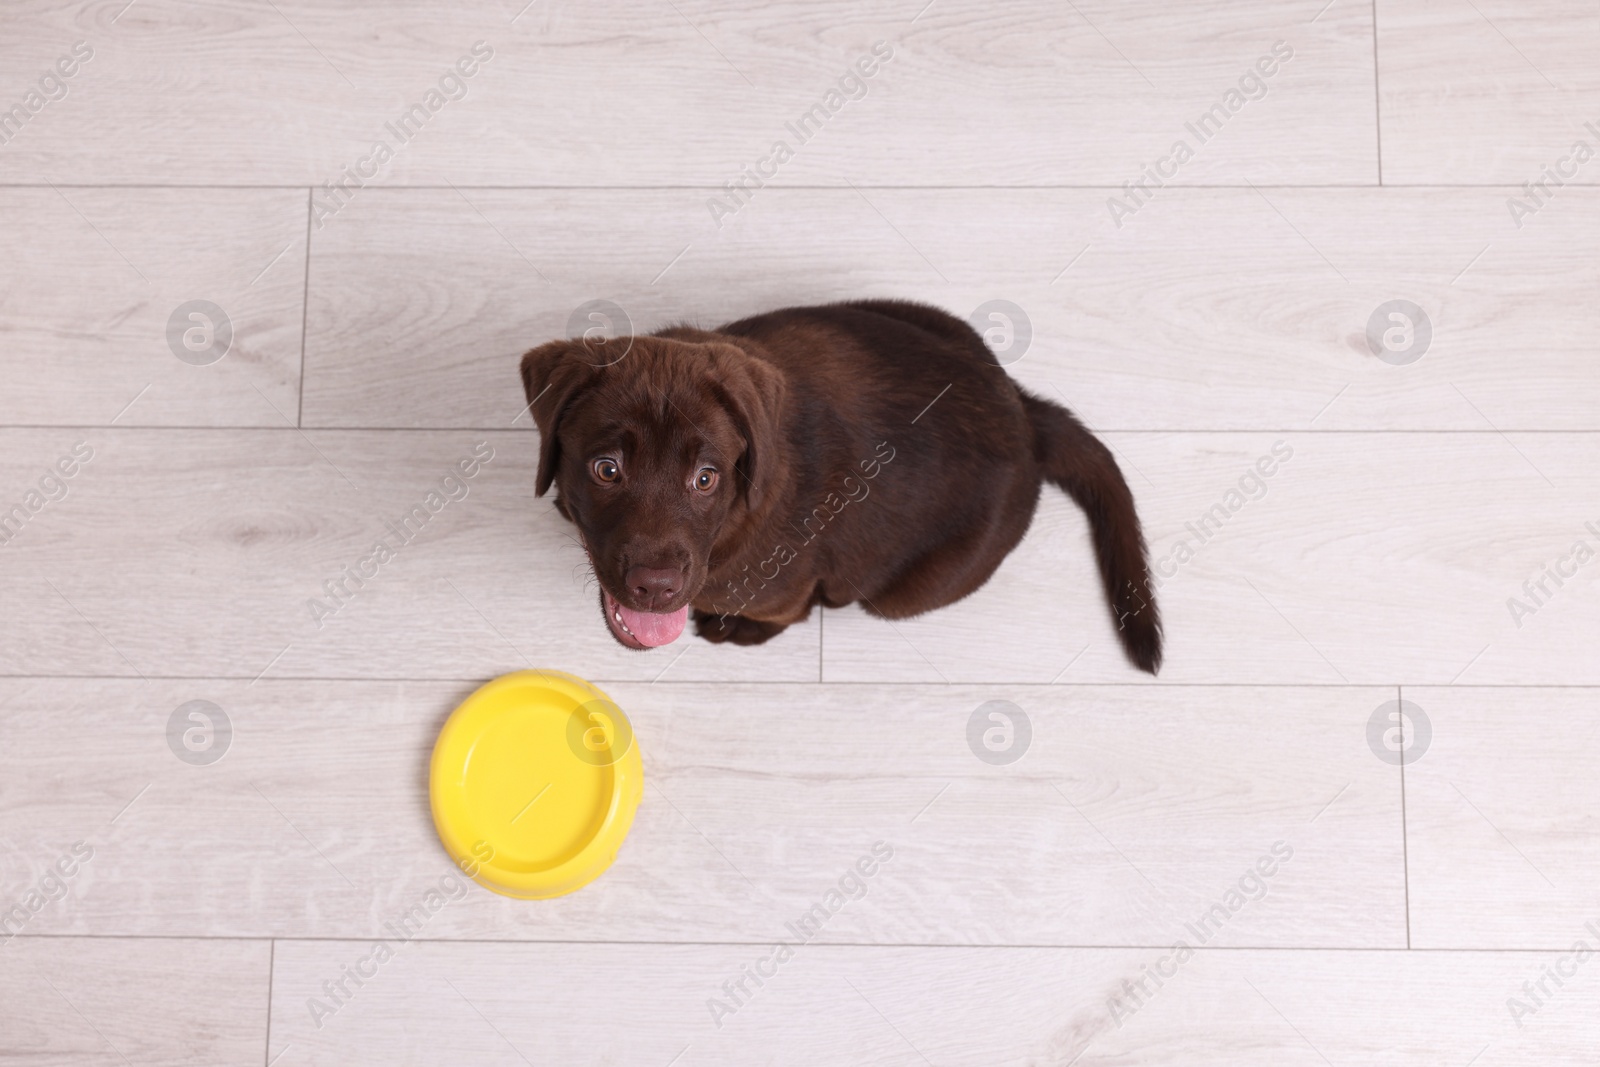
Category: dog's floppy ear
[552,375]
[752,390]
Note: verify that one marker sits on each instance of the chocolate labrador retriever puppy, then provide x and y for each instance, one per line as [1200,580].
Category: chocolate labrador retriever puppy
[872,451]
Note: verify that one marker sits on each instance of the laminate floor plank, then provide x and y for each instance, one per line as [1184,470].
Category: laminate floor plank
[1210,309]
[72,1001]
[1490,92]
[101,289]
[502,1004]
[1340,341]
[1370,559]
[1500,814]
[1127,813]
[253,553]
[303,94]
[1359,558]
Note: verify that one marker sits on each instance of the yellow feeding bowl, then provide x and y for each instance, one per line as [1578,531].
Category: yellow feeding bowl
[534,782]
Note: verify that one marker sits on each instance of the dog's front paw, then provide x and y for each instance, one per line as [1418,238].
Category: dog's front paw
[735,629]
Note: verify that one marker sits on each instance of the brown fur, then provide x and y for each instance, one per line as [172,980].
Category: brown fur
[870,452]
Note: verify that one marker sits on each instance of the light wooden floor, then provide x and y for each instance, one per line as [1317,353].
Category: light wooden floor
[376,344]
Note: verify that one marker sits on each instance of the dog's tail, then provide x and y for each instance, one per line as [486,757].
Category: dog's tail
[1074,459]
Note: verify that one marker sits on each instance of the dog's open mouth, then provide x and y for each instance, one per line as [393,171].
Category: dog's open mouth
[642,629]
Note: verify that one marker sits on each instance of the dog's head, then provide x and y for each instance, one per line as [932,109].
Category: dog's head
[656,455]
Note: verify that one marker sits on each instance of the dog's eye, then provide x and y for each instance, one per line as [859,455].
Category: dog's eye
[606,470]
[706,480]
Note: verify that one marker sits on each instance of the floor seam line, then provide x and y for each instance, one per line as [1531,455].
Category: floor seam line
[305,308]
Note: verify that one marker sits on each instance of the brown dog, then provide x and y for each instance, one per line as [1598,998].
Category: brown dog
[871,451]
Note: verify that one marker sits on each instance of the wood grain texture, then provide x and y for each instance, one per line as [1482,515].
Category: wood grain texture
[1364,558]
[71,1001]
[201,552]
[93,277]
[618,94]
[1501,818]
[510,1004]
[1131,813]
[1208,310]
[1491,91]
[1369,559]
[1398,546]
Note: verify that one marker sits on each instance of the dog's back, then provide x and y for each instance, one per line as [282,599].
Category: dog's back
[971,449]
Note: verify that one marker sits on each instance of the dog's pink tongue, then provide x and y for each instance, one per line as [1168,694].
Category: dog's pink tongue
[654,630]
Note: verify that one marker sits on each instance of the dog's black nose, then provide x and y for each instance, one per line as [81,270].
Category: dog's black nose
[653,587]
